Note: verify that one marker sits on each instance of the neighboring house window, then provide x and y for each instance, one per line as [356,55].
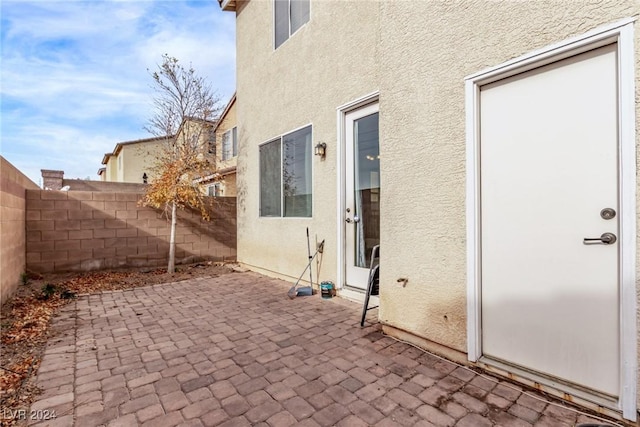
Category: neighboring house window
[215,190]
[289,16]
[234,143]
[119,162]
[230,144]
[285,175]
[212,142]
[226,145]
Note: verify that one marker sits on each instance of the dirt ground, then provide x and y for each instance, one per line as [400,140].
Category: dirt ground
[25,319]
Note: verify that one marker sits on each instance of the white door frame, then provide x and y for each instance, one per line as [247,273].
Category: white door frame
[622,33]
[342,111]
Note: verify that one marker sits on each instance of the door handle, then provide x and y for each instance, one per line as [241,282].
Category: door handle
[605,239]
[356,218]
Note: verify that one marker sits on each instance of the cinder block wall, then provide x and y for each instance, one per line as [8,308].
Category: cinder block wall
[86,230]
[12,227]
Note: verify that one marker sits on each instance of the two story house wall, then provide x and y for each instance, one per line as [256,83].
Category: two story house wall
[222,182]
[488,147]
[110,168]
[132,161]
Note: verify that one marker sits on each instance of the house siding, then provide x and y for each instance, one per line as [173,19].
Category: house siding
[227,122]
[139,159]
[132,161]
[417,54]
[331,60]
[112,169]
[226,182]
[424,106]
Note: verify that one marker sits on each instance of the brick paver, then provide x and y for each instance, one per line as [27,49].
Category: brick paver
[236,351]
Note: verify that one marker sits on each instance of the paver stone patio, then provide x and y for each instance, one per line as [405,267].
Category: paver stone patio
[235,351]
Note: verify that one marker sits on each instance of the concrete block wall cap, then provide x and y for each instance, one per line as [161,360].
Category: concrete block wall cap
[52,172]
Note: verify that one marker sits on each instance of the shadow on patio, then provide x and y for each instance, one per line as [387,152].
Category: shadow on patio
[235,351]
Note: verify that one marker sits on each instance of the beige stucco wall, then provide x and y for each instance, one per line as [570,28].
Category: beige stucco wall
[228,121]
[423,107]
[112,169]
[417,54]
[330,61]
[229,185]
[13,185]
[138,159]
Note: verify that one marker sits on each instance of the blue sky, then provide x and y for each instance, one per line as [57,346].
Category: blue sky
[74,76]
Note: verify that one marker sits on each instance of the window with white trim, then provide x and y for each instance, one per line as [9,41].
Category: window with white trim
[230,144]
[289,17]
[234,142]
[214,190]
[285,175]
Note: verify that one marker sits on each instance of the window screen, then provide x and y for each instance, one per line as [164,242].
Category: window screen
[289,16]
[270,179]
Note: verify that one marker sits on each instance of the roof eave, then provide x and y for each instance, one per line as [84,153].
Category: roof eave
[227,5]
[225,111]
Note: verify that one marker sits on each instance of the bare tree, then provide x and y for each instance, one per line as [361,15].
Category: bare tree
[186,110]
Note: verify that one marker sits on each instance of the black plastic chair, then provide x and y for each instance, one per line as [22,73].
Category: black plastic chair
[373,283]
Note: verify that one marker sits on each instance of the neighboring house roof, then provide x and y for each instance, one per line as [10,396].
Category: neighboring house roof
[212,123]
[225,111]
[197,119]
[101,171]
[217,174]
[119,145]
[105,159]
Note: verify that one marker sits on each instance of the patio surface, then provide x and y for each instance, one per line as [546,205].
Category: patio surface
[235,351]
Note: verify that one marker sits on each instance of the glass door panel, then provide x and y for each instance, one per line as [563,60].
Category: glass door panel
[367,188]
[361,193]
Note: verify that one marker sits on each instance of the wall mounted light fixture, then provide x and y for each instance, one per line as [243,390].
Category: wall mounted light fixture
[321,149]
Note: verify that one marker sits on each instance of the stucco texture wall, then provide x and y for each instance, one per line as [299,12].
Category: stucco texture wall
[328,62]
[227,122]
[138,159]
[422,124]
[229,185]
[112,169]
[13,186]
[417,55]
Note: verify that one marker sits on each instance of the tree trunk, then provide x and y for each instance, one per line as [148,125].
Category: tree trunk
[172,240]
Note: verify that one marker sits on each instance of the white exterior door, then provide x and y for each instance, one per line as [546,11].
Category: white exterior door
[548,168]
[362,193]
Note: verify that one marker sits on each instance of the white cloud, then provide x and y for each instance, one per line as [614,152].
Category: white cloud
[75,75]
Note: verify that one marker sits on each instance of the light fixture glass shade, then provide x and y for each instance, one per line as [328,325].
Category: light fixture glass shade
[320,149]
